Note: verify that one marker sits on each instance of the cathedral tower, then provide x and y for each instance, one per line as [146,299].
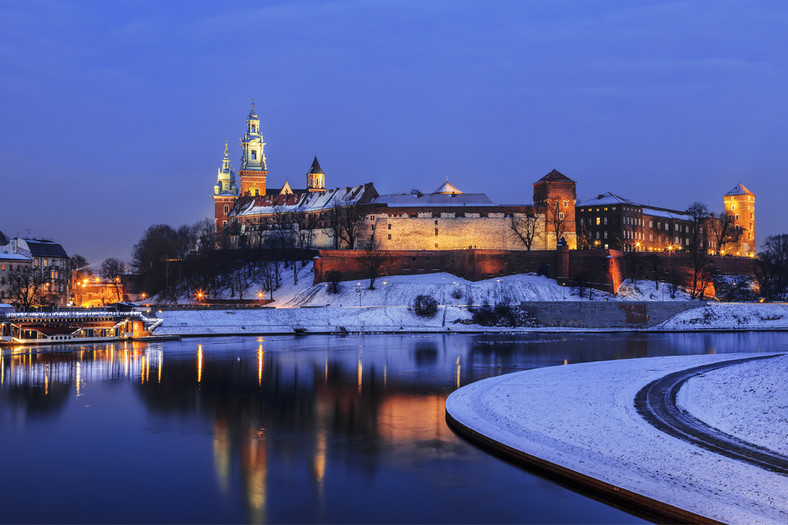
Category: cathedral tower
[225,191]
[253,169]
[740,204]
[315,178]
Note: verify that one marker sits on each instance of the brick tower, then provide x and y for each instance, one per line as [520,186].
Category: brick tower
[740,204]
[555,194]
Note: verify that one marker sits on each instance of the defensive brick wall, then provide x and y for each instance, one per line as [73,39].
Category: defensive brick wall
[601,269]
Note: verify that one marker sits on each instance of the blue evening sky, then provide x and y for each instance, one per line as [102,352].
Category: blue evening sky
[113,115]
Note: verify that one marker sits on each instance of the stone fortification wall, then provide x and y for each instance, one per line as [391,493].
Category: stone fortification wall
[426,231]
[606,314]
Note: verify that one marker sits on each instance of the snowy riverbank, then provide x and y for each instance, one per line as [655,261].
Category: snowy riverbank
[596,431]
[312,308]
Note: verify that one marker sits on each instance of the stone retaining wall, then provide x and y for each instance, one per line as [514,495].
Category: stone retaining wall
[607,314]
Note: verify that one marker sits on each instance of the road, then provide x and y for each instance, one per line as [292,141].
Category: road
[656,402]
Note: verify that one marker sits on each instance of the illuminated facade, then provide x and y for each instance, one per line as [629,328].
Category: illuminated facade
[740,207]
[446,219]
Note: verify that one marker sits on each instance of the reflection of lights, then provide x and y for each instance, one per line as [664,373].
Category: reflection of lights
[199,363]
[142,371]
[260,365]
[46,380]
[161,358]
[79,376]
[459,369]
[319,464]
[360,368]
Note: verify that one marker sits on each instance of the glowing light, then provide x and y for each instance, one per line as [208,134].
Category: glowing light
[79,377]
[161,358]
[360,369]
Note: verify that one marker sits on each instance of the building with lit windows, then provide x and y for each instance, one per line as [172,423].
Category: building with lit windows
[50,261]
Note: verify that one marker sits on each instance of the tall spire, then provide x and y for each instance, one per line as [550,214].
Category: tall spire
[225,183]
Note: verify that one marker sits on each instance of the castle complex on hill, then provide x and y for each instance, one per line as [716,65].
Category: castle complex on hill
[357,217]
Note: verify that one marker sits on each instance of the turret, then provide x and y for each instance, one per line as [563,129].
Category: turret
[315,178]
[225,192]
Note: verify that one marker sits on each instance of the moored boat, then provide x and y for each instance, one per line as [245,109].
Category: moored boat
[74,326]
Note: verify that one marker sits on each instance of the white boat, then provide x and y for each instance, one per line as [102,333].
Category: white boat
[75,326]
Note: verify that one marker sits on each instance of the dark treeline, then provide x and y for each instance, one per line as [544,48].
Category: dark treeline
[185,262]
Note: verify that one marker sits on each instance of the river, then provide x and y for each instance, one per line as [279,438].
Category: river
[286,429]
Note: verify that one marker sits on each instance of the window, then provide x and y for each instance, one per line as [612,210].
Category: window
[605,220]
[733,206]
[606,234]
[566,204]
[226,209]
[737,216]
[597,221]
[650,224]
[560,216]
[436,232]
[436,244]
[389,235]
[254,155]
[389,229]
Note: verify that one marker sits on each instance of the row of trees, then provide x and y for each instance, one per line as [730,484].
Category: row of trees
[283,229]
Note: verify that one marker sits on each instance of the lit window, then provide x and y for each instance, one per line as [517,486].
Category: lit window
[733,206]
[597,221]
[560,216]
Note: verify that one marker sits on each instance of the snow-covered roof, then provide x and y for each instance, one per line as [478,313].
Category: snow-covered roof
[607,199]
[739,189]
[448,188]
[407,200]
[666,214]
[295,202]
[14,257]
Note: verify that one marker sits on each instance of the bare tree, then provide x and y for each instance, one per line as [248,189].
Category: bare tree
[112,270]
[26,287]
[698,248]
[723,230]
[556,218]
[334,277]
[771,267]
[282,222]
[526,228]
[372,262]
[351,222]
[334,223]
[307,223]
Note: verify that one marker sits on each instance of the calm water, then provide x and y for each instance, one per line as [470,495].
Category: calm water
[284,429]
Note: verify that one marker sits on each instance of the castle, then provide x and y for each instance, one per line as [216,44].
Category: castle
[250,214]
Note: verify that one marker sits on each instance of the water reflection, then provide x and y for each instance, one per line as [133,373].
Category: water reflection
[303,429]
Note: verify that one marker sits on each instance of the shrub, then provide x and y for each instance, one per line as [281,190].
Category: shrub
[334,278]
[502,314]
[425,306]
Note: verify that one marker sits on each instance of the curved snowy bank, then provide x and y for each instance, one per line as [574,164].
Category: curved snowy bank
[730,316]
[580,422]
